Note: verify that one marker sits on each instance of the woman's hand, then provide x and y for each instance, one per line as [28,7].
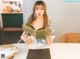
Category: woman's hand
[49,39]
[29,40]
[26,38]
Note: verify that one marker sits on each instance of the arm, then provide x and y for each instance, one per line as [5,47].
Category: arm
[51,26]
[52,36]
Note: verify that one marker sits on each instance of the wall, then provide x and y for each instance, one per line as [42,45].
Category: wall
[65,15]
[0,13]
[27,9]
[3,6]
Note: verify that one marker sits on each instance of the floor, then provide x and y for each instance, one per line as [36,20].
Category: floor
[10,35]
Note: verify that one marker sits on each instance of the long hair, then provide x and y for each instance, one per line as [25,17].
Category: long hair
[45,16]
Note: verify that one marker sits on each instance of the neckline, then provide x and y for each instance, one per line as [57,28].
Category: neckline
[37,29]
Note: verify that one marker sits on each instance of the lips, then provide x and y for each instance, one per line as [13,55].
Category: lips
[39,14]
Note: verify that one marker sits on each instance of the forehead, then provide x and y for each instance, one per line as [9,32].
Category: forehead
[39,6]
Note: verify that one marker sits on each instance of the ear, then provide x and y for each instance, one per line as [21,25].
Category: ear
[35,15]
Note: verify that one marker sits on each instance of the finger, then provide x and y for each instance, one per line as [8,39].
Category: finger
[29,40]
[48,42]
[24,34]
[24,37]
[48,38]
[51,38]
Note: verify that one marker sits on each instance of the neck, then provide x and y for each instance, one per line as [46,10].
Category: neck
[39,18]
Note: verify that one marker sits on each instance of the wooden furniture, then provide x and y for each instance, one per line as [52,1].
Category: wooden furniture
[12,19]
[9,37]
[70,38]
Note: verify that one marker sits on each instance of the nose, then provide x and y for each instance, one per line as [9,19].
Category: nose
[39,12]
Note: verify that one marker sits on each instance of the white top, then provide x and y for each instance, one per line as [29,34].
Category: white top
[51,24]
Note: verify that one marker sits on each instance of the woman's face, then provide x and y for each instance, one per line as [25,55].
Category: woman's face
[39,10]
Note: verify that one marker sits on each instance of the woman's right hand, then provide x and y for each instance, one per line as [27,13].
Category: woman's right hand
[26,38]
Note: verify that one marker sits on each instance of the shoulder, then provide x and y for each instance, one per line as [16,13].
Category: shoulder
[51,22]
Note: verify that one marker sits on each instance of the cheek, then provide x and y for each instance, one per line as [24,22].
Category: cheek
[42,12]
[36,12]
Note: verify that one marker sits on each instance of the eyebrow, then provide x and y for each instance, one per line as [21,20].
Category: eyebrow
[39,7]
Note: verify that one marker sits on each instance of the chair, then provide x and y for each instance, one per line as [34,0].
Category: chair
[70,38]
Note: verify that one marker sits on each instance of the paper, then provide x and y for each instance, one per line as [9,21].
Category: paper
[39,34]
[7,50]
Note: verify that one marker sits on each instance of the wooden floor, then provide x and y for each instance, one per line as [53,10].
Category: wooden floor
[10,35]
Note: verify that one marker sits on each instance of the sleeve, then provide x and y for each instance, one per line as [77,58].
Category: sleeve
[51,25]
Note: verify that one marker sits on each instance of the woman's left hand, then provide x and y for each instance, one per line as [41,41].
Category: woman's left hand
[49,39]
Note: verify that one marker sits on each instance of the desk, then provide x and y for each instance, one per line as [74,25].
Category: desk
[57,50]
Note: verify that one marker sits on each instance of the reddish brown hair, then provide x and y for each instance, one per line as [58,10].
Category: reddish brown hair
[45,16]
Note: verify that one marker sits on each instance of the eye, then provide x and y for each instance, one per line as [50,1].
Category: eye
[36,9]
[42,9]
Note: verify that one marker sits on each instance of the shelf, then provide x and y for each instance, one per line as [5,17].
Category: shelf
[13,13]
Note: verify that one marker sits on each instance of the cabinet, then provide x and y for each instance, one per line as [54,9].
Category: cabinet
[9,37]
[12,19]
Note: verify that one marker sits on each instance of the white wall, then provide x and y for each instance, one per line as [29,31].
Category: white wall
[27,9]
[65,15]
[0,13]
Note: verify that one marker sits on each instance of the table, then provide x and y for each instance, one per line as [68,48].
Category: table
[57,50]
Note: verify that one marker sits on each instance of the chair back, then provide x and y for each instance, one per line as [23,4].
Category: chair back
[70,38]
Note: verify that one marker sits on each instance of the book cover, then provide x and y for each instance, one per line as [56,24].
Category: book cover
[39,54]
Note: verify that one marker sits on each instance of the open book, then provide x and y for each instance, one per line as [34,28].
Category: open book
[39,34]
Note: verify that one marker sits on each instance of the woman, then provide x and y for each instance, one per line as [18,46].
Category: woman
[38,20]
